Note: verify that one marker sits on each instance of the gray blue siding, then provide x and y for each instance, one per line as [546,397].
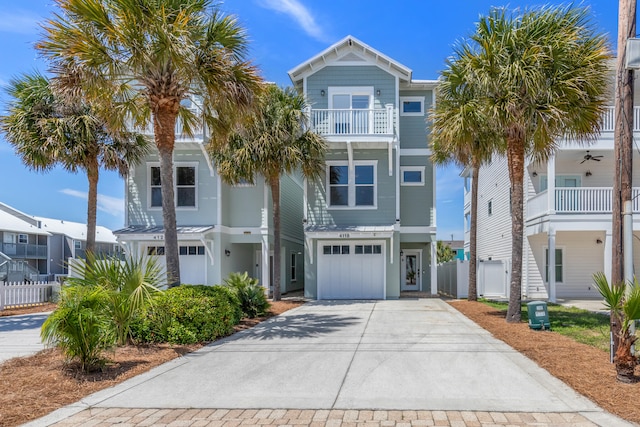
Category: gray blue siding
[357,75]
[414,129]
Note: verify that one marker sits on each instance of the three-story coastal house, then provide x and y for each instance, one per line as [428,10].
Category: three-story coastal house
[370,222]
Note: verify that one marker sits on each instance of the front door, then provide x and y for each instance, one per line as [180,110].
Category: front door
[412,279]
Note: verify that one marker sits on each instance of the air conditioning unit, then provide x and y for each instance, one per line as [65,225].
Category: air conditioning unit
[633,54]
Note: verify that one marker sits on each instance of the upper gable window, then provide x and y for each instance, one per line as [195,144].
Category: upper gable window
[412,105]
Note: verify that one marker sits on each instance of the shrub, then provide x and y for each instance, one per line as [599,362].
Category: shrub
[81,325]
[253,301]
[129,285]
[188,314]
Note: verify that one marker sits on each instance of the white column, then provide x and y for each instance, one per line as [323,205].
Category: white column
[607,254]
[551,184]
[434,268]
[551,265]
[266,276]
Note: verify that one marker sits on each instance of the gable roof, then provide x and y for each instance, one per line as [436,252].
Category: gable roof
[75,230]
[349,50]
[15,224]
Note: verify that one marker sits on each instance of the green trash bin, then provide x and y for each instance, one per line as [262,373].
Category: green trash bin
[538,315]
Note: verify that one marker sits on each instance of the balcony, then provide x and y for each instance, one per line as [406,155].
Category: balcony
[608,120]
[23,250]
[582,200]
[353,122]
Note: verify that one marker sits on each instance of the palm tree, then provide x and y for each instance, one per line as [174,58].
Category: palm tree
[541,75]
[155,55]
[623,303]
[278,142]
[460,134]
[47,129]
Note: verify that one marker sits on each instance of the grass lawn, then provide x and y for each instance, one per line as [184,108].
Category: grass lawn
[581,325]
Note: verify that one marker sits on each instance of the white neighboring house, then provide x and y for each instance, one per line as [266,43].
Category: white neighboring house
[567,214]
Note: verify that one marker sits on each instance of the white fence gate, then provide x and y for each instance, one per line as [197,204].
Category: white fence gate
[493,278]
[20,294]
[453,279]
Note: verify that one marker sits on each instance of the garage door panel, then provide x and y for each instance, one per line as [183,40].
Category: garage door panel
[355,272]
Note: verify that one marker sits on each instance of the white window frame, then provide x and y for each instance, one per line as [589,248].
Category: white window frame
[77,245]
[23,239]
[351,184]
[404,169]
[176,165]
[419,99]
[350,90]
[293,268]
[545,272]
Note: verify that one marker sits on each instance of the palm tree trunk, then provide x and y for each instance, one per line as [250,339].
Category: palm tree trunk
[164,122]
[473,243]
[623,149]
[515,158]
[274,183]
[93,172]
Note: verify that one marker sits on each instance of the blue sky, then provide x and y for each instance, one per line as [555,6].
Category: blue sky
[283,33]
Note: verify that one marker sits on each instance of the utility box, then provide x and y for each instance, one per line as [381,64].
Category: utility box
[538,315]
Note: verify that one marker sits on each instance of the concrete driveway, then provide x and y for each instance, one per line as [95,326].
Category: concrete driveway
[20,335]
[405,354]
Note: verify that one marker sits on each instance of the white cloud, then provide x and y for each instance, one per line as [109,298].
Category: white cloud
[19,22]
[300,14]
[111,205]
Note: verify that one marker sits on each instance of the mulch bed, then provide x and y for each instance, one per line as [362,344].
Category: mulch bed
[33,386]
[584,368]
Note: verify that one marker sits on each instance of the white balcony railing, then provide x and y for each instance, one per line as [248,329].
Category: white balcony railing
[377,121]
[581,200]
[608,120]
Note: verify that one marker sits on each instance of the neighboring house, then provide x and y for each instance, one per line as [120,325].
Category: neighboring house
[457,246]
[23,246]
[567,213]
[221,228]
[69,240]
[370,221]
[37,248]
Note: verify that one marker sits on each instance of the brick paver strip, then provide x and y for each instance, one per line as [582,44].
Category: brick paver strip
[97,417]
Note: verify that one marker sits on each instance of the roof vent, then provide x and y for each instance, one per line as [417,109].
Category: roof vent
[349,42]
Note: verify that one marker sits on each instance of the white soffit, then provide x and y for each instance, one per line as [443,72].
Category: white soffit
[350,51]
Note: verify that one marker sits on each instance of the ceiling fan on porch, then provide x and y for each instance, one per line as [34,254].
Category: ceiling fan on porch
[589,156]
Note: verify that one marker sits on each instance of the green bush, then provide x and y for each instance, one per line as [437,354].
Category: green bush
[188,314]
[81,325]
[253,301]
[129,285]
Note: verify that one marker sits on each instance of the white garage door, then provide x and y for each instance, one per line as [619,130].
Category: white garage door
[351,270]
[192,262]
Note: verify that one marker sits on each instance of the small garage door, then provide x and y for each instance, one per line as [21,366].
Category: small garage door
[192,262]
[351,270]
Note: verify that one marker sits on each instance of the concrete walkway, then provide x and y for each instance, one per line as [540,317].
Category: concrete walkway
[406,362]
[20,335]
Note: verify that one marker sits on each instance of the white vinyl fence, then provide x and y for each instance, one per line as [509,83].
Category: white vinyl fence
[20,294]
[453,279]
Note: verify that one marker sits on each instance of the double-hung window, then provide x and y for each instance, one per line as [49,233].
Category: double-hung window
[355,188]
[185,185]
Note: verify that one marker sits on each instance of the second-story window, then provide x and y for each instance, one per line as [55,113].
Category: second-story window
[22,238]
[354,188]
[185,186]
[412,105]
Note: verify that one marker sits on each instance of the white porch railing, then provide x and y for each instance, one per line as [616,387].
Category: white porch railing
[608,119]
[581,200]
[377,121]
[20,294]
